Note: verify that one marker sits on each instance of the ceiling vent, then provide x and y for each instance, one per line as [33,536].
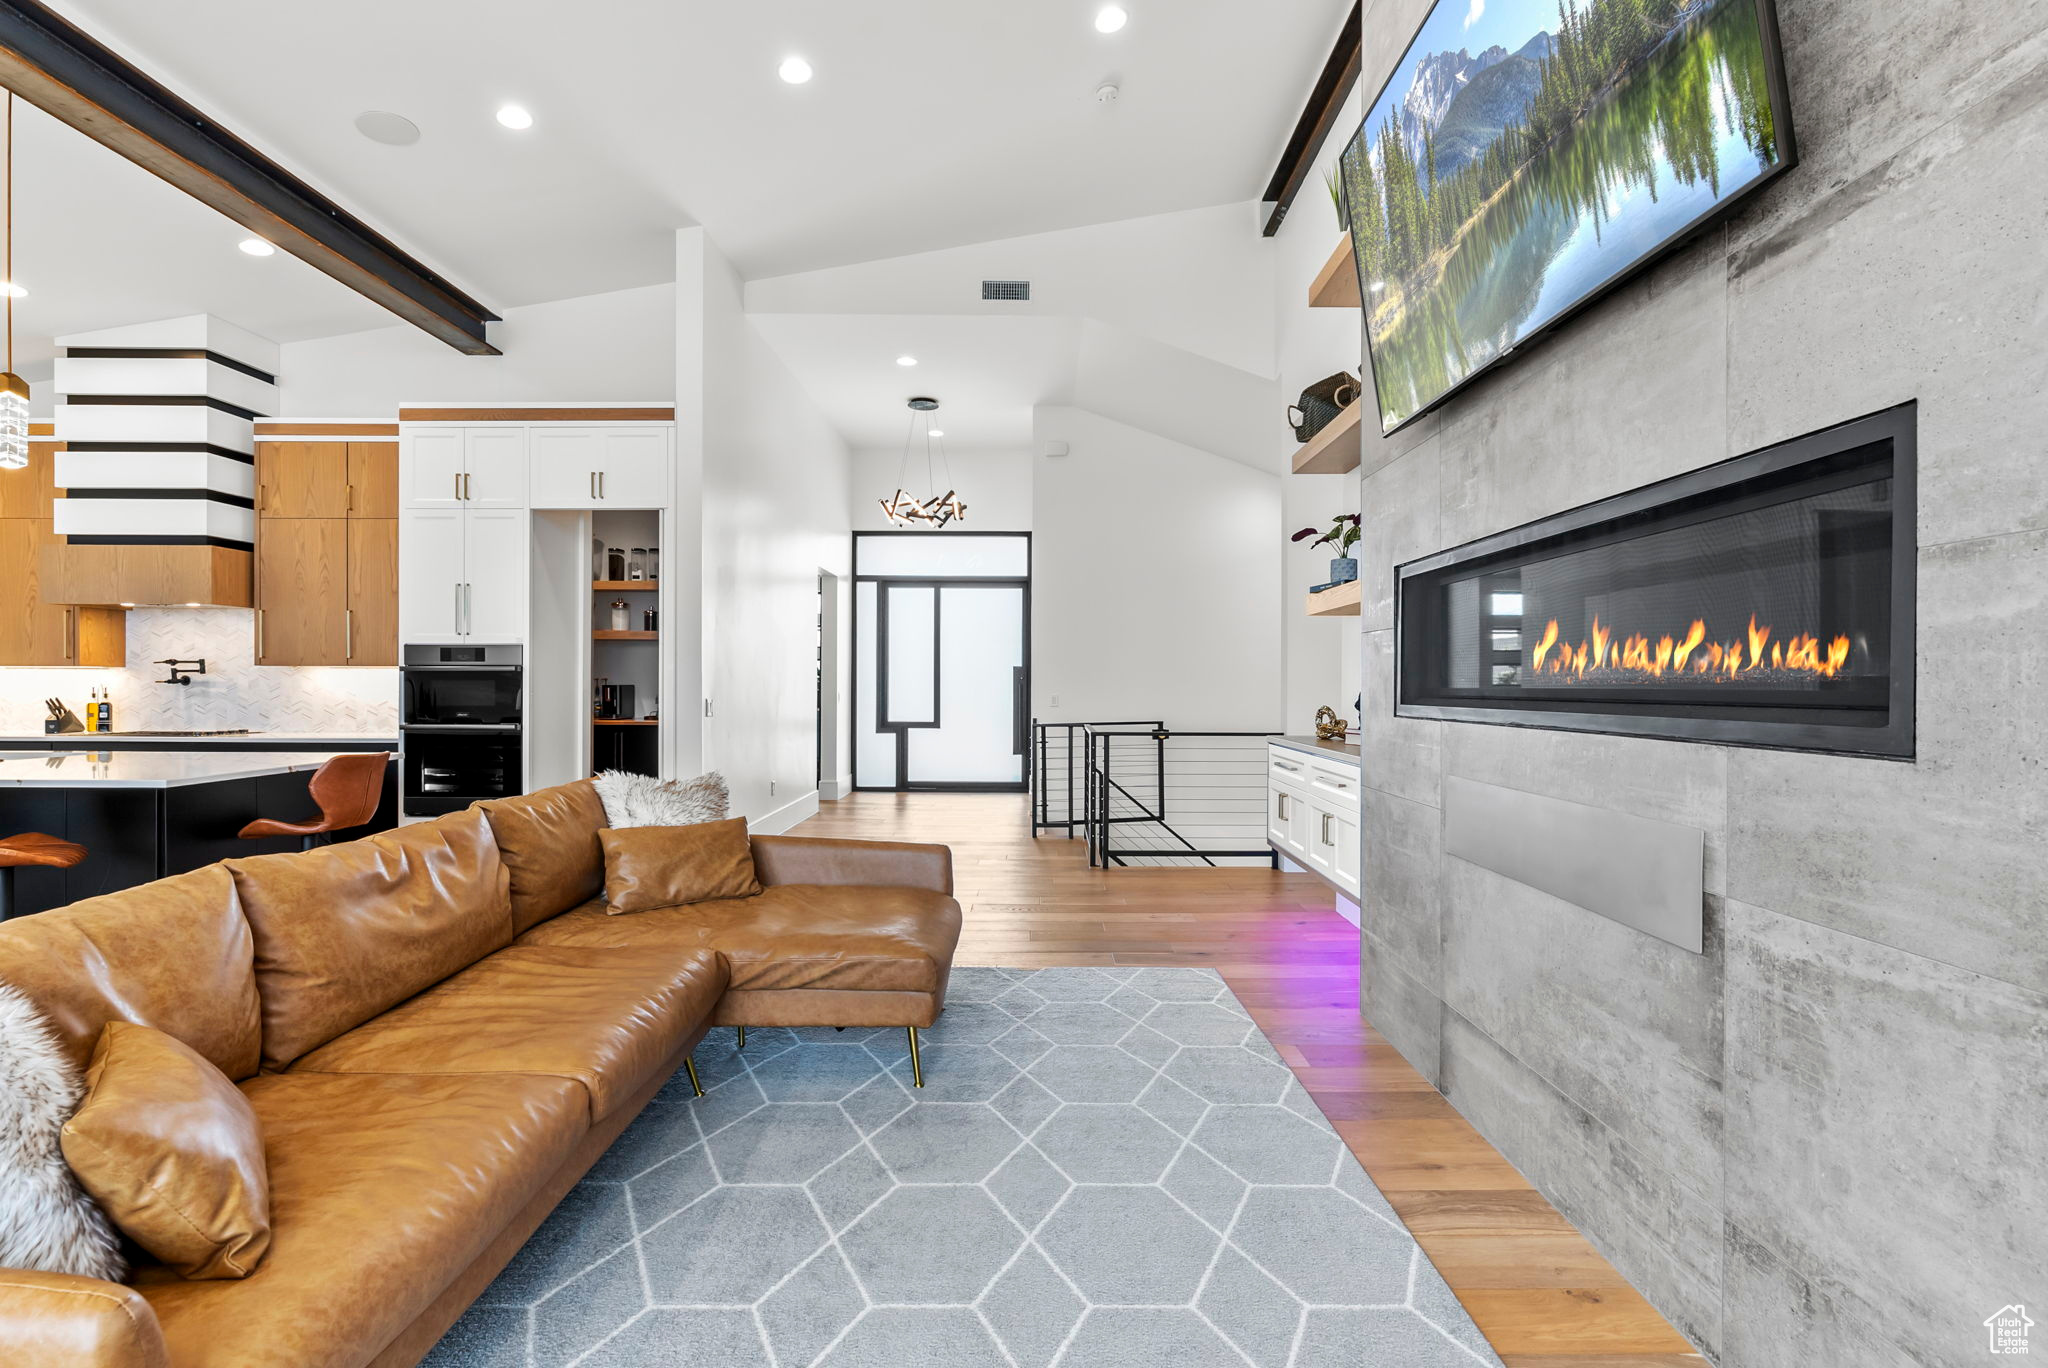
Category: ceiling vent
[1006,289]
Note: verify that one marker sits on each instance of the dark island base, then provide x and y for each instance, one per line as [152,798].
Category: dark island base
[135,835]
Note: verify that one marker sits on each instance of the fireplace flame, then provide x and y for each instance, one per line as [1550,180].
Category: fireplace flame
[1724,660]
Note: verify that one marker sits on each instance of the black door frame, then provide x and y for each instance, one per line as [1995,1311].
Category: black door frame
[902,730]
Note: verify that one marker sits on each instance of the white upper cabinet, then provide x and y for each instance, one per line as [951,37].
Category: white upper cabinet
[494,467]
[601,467]
[433,464]
[480,467]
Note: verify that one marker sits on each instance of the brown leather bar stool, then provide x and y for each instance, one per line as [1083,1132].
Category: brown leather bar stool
[34,849]
[347,789]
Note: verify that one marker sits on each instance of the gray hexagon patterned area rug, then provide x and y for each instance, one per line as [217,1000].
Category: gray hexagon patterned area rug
[1107,1168]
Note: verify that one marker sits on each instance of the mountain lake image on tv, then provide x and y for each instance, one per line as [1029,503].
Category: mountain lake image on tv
[1527,155]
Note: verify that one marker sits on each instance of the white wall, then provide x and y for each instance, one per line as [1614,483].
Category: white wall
[775,489]
[995,486]
[618,346]
[1156,571]
[1197,279]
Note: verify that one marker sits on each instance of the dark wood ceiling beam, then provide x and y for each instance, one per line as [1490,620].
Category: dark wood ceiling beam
[64,71]
[1325,104]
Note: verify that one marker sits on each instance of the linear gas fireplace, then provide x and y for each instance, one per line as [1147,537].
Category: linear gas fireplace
[1763,601]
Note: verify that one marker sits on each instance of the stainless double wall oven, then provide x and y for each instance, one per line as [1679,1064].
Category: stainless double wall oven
[463,724]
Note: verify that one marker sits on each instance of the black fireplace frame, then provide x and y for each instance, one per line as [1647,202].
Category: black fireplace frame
[1722,725]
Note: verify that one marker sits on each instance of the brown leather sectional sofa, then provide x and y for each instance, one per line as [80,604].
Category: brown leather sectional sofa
[440,1030]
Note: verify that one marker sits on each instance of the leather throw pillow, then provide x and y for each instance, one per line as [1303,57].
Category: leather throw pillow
[648,867]
[47,1222]
[173,1153]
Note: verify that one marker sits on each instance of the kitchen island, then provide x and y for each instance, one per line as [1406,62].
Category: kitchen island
[143,815]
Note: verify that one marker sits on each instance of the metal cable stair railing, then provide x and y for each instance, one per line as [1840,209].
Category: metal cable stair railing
[1143,794]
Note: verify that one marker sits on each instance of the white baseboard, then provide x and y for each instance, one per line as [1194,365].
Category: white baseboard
[1347,909]
[832,790]
[783,818]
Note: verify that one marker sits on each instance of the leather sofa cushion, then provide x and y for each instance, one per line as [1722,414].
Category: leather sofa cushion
[382,1189]
[647,867]
[606,1019]
[175,954]
[821,860]
[172,1153]
[549,842]
[61,1320]
[793,936]
[345,931]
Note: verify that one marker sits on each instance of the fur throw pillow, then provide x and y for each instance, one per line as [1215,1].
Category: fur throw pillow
[634,800]
[47,1223]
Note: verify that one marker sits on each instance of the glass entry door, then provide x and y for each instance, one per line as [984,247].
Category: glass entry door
[943,697]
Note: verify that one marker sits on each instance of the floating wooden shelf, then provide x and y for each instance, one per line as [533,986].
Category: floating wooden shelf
[1339,602]
[625,636]
[634,586]
[1336,285]
[625,722]
[1335,449]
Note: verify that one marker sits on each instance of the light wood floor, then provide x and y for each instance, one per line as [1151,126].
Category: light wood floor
[1535,1286]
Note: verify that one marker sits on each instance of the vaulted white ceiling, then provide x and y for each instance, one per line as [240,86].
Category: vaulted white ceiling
[929,123]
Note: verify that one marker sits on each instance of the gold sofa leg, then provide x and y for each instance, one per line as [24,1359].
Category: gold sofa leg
[916,1063]
[691,1064]
[743,1037]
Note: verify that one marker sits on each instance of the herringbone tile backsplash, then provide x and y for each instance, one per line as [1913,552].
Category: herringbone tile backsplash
[234,691]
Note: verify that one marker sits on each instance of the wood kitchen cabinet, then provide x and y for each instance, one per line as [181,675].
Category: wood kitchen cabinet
[33,632]
[327,553]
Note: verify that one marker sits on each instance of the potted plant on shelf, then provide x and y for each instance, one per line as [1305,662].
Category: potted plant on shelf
[1343,535]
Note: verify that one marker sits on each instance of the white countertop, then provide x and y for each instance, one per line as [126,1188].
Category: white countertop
[146,769]
[86,739]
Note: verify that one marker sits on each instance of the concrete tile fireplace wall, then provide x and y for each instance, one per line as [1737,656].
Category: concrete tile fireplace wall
[1824,1140]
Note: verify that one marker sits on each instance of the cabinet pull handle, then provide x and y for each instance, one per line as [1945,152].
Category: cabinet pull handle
[69,639]
[348,634]
[458,486]
[1283,807]
[458,608]
[348,498]
[600,484]
[1328,839]
[1282,764]
[259,635]
[468,609]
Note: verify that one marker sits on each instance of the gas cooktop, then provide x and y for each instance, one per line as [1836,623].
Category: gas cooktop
[221,731]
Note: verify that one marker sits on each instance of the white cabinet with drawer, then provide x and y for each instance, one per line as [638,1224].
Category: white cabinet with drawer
[1312,813]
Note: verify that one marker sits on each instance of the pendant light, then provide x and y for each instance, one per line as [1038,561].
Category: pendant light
[936,510]
[13,389]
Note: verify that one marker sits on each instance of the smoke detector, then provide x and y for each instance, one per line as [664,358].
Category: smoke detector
[1107,93]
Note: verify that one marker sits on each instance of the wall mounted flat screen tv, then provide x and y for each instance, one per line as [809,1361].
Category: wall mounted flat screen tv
[1527,156]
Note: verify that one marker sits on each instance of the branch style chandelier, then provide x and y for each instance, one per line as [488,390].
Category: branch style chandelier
[13,389]
[936,510]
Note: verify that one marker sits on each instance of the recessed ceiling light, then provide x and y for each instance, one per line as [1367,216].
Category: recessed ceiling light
[938,432]
[12,290]
[1110,18]
[515,117]
[257,247]
[382,126]
[794,70]
[906,360]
